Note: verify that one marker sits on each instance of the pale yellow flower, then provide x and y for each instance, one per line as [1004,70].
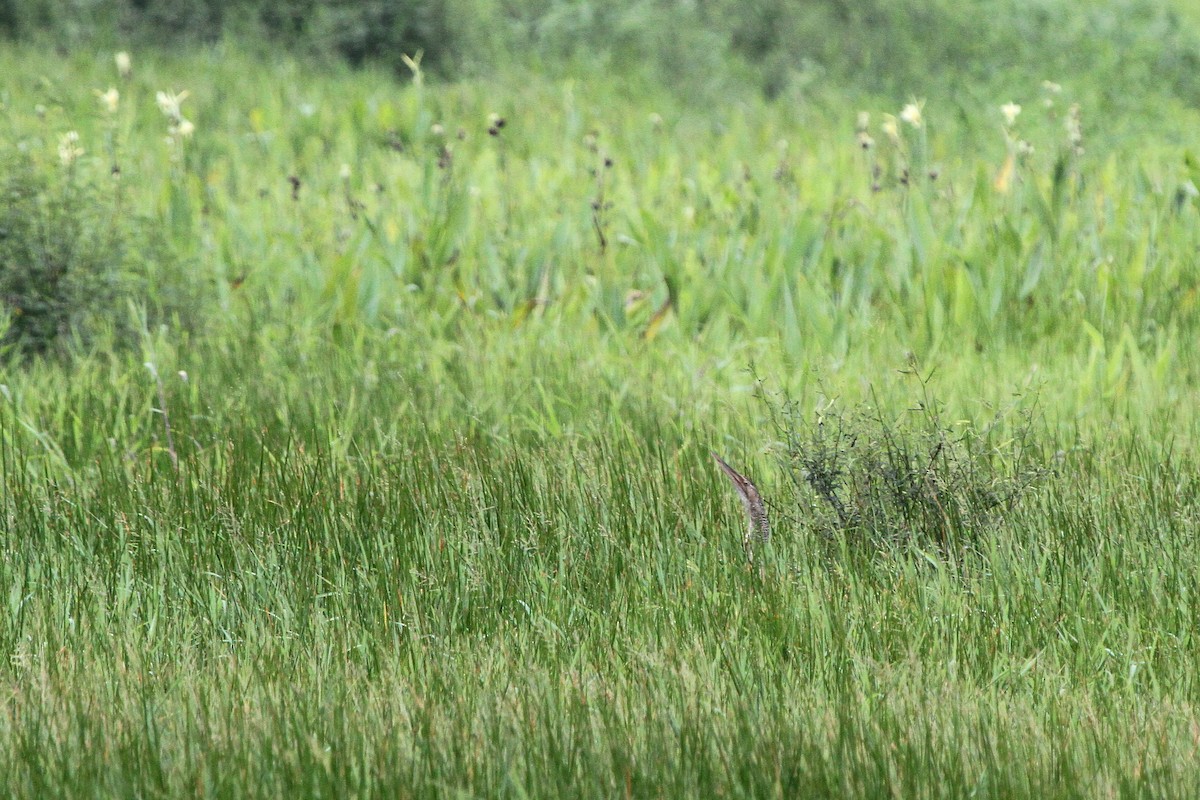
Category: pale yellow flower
[865,141]
[911,114]
[864,121]
[890,128]
[414,65]
[168,104]
[185,128]
[109,99]
[68,148]
[124,64]
[1010,112]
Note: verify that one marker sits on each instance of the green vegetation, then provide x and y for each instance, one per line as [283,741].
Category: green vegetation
[355,425]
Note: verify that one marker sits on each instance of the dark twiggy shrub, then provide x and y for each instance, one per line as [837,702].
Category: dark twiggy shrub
[866,478]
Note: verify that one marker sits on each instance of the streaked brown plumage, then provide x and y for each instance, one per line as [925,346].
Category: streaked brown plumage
[756,509]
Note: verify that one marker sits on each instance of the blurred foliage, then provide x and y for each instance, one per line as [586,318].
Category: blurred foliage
[72,256]
[58,267]
[778,46]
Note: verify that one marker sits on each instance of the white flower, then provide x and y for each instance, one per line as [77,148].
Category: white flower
[68,148]
[344,172]
[109,99]
[1010,112]
[890,128]
[1024,149]
[1051,87]
[168,104]
[911,114]
[124,64]
[179,129]
[864,121]
[865,141]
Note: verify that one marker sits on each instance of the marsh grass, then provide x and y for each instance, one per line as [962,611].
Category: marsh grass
[446,616]
[436,515]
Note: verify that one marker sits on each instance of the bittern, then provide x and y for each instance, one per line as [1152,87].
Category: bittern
[756,509]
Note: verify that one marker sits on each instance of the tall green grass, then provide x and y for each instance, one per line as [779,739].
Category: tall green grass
[435,514]
[454,616]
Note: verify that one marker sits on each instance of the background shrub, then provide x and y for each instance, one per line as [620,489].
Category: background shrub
[893,46]
[60,257]
[71,260]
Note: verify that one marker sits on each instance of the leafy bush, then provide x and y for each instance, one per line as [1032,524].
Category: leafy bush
[907,46]
[384,31]
[71,259]
[900,47]
[358,31]
[60,258]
